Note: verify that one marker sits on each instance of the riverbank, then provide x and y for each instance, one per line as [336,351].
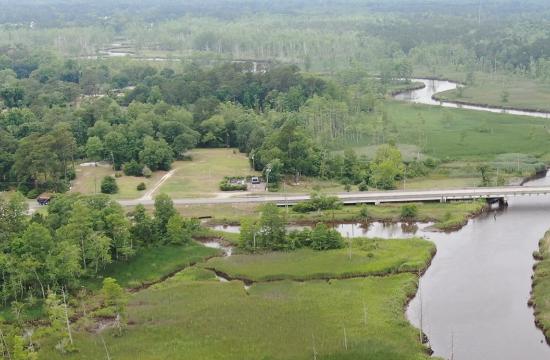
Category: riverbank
[540,299]
[446,217]
[450,97]
[324,317]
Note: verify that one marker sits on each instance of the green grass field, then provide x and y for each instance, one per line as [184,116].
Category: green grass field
[456,134]
[368,257]
[88,181]
[541,286]
[205,319]
[201,177]
[153,264]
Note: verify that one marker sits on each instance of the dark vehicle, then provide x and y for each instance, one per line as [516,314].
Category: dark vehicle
[44,199]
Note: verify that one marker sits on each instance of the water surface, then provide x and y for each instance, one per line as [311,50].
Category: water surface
[477,288]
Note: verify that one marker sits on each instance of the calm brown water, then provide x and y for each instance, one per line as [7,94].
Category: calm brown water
[478,285]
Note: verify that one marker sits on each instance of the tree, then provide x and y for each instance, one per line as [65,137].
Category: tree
[157,155]
[12,96]
[94,148]
[115,298]
[484,172]
[109,185]
[323,238]
[142,230]
[387,167]
[60,328]
[272,228]
[164,210]
[249,230]
[409,211]
[176,233]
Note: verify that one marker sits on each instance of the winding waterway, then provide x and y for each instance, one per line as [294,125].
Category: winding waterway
[476,290]
[432,87]
[472,301]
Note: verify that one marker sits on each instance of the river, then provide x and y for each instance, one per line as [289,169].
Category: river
[476,290]
[432,87]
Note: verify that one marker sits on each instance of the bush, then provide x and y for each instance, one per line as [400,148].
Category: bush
[228,185]
[118,174]
[363,186]
[147,172]
[364,212]
[70,175]
[133,168]
[108,185]
[324,238]
[33,194]
[317,203]
[141,186]
[409,211]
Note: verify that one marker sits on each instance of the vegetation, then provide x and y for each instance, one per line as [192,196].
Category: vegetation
[540,297]
[366,257]
[307,317]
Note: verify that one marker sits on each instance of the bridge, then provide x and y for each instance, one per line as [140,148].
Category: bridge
[491,194]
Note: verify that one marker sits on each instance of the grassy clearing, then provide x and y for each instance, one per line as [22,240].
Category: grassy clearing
[368,257]
[456,134]
[201,177]
[88,181]
[189,319]
[487,90]
[541,286]
[150,265]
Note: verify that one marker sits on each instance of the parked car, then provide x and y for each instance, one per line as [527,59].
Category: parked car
[255,180]
[44,199]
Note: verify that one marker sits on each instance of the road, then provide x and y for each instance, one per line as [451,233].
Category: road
[371,197]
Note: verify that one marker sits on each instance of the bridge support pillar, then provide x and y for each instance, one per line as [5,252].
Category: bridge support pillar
[443,200]
[502,202]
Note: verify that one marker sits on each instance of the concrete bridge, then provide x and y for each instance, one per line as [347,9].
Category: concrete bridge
[491,194]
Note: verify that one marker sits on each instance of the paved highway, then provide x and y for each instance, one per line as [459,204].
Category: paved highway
[371,197]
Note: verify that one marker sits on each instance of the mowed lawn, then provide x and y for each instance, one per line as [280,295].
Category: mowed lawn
[366,257]
[206,319]
[88,181]
[201,177]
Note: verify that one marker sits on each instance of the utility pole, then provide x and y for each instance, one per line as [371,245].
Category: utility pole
[267,171]
[479,13]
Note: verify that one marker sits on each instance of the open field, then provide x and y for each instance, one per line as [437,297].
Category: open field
[201,177]
[283,320]
[524,93]
[368,257]
[152,264]
[88,181]
[541,286]
[456,134]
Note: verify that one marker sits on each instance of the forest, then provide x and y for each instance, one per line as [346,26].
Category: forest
[301,93]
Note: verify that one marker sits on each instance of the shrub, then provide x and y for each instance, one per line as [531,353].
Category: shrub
[147,172]
[227,185]
[108,185]
[70,175]
[317,203]
[364,212]
[141,186]
[133,168]
[409,211]
[324,238]
[363,186]
[118,174]
[33,194]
